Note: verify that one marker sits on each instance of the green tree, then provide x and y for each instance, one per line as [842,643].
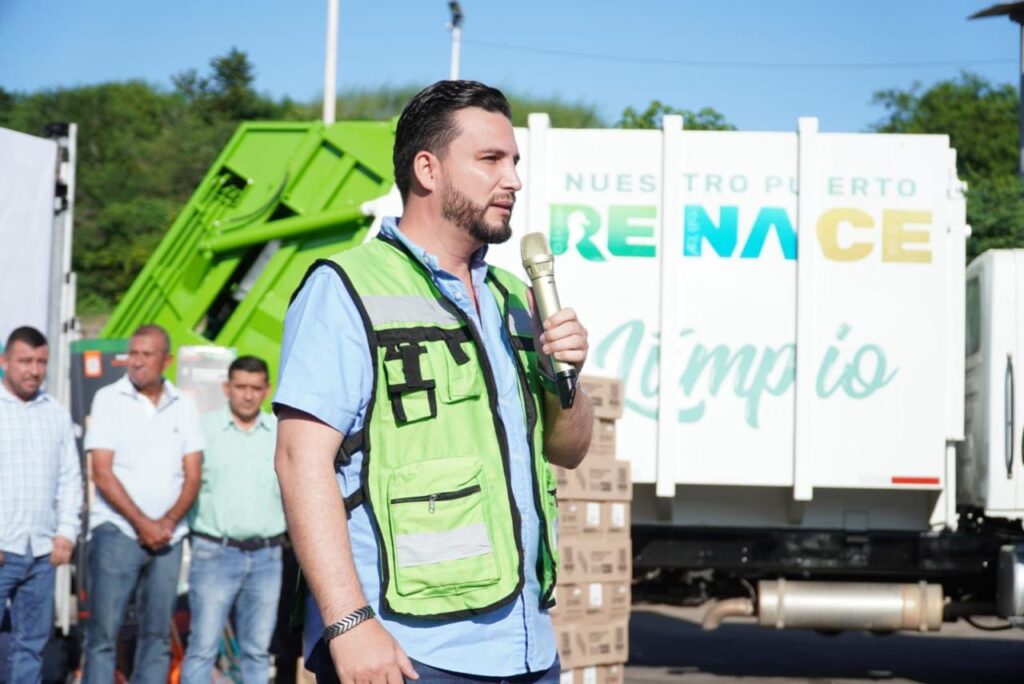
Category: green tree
[386,103]
[8,101]
[705,119]
[563,114]
[227,92]
[142,149]
[981,121]
[119,128]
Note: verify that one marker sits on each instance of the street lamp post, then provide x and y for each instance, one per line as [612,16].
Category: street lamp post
[455,26]
[1015,11]
[331,62]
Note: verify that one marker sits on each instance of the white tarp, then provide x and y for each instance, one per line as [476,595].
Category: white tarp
[27,174]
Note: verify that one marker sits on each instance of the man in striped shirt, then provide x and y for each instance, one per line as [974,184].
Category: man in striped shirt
[40,499]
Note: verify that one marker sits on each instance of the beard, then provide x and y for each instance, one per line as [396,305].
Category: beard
[471,217]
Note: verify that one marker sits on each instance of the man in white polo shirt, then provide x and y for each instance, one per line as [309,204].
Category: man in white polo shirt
[146,448]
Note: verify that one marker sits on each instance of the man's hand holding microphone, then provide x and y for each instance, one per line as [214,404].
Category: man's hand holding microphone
[561,339]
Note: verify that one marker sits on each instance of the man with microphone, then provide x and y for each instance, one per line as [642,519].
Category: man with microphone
[418,413]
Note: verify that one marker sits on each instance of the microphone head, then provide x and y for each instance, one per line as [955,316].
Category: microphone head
[532,246]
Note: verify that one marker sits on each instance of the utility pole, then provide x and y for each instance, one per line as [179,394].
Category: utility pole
[455,26]
[1015,11]
[331,62]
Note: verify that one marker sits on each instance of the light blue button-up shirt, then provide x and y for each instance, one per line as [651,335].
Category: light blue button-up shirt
[40,474]
[326,371]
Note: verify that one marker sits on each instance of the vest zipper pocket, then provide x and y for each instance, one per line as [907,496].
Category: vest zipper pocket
[432,499]
[440,529]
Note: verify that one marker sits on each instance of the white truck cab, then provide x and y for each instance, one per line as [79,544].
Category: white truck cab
[991,468]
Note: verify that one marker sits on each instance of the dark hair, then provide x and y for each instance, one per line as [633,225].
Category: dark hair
[156,331]
[28,335]
[427,121]
[249,364]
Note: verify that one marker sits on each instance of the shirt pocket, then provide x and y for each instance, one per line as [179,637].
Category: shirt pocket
[441,528]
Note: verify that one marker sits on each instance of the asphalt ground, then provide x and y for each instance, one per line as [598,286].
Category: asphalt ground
[667,644]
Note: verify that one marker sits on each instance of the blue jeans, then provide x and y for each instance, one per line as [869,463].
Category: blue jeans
[117,564]
[221,577]
[28,583]
[321,665]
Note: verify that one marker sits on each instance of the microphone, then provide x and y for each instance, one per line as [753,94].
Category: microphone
[540,267]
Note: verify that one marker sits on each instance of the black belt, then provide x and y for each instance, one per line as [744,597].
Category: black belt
[244,544]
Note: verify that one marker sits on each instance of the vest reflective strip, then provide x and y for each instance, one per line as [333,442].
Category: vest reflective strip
[520,323]
[436,547]
[384,310]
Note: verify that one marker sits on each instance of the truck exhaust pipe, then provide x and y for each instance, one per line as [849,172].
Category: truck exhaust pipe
[784,604]
[735,607]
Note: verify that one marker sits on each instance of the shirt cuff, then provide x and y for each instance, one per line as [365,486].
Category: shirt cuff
[69,532]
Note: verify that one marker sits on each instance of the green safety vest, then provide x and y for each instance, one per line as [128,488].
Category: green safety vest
[436,455]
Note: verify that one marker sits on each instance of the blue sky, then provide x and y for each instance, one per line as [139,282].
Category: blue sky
[682,52]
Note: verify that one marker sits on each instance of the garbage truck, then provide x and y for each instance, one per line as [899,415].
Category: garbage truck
[823,408]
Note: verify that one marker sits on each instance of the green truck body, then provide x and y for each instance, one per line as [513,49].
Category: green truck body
[280,196]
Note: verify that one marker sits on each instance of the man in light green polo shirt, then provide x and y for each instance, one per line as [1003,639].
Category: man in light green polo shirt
[238,528]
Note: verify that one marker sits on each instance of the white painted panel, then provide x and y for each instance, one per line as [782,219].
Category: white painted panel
[737,272]
[601,215]
[882,315]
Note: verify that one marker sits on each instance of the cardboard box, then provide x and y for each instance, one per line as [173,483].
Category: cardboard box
[594,601]
[585,559]
[605,395]
[603,643]
[602,439]
[619,598]
[565,639]
[593,517]
[570,603]
[598,480]
[594,642]
[616,518]
[594,674]
[605,601]
[572,518]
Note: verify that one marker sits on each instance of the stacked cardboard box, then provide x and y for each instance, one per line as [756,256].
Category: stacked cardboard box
[592,597]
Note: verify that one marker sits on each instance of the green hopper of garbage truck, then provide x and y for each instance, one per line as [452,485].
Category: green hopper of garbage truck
[279,196]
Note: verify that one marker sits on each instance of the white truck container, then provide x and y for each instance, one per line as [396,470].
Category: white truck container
[787,312]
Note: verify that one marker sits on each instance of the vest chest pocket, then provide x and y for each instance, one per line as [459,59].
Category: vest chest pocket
[463,373]
[410,380]
[415,369]
[440,528]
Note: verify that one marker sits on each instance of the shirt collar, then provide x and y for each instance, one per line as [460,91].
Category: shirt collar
[7,395]
[228,420]
[389,228]
[125,386]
